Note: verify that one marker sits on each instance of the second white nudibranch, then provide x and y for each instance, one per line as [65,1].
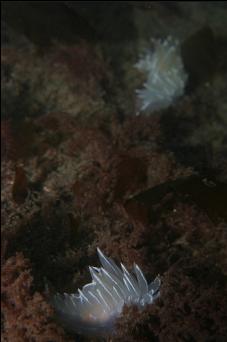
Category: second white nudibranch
[165,75]
[94,309]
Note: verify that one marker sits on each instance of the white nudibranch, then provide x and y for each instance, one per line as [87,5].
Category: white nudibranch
[165,75]
[95,308]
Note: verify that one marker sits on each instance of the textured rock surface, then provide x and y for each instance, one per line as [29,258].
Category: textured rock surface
[80,170]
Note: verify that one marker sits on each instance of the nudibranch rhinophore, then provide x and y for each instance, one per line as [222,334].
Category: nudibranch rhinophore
[94,309]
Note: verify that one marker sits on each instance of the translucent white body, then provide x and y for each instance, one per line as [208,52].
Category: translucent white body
[166,77]
[94,309]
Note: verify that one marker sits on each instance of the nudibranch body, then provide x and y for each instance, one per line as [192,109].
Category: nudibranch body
[165,75]
[95,308]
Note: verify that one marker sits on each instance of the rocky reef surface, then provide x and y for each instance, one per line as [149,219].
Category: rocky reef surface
[80,170]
